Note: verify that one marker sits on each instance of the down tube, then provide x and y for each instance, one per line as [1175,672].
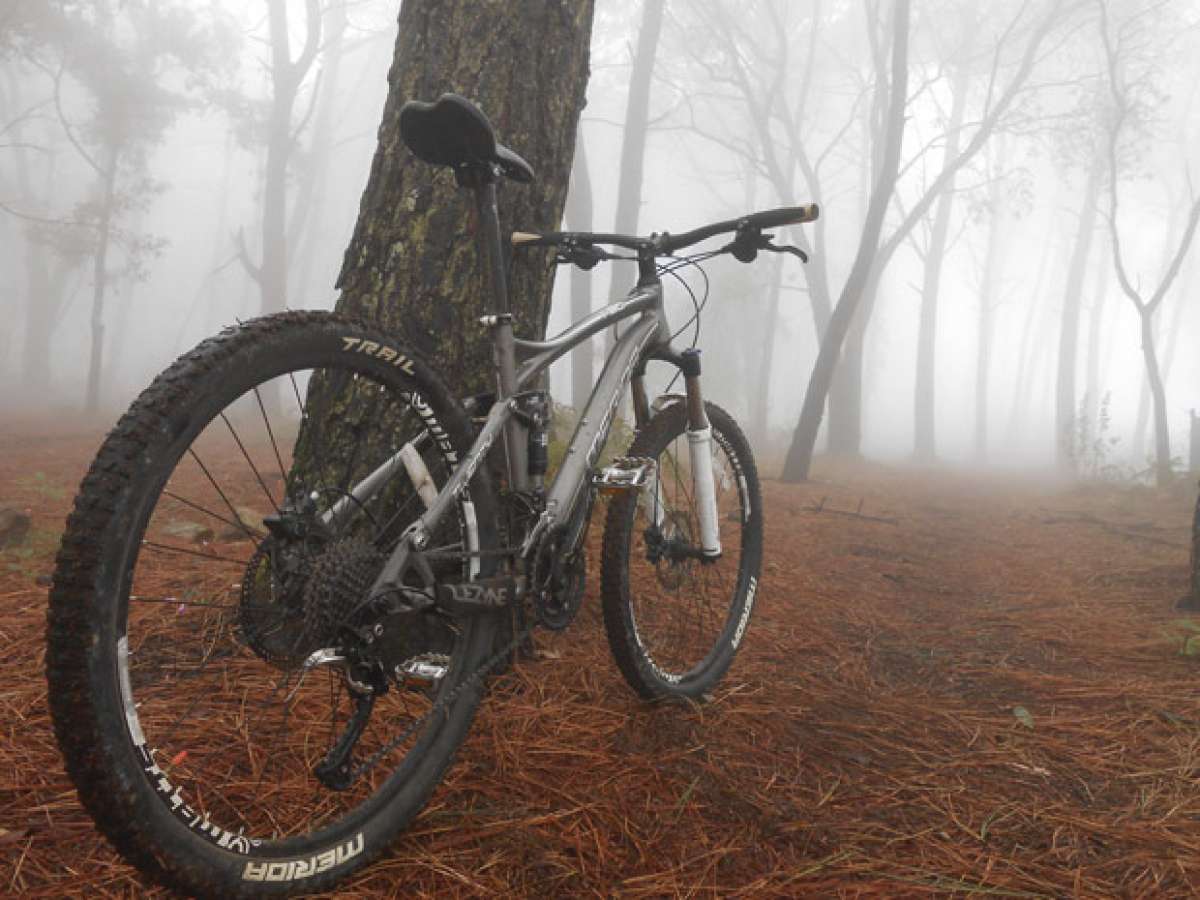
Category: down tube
[590,433]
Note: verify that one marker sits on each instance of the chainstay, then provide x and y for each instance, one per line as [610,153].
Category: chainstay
[442,702]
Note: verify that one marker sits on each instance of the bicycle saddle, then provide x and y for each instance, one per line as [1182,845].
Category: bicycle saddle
[453,132]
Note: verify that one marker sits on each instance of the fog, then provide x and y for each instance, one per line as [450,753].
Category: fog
[751,106]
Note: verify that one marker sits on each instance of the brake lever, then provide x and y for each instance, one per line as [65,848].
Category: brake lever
[750,240]
[786,248]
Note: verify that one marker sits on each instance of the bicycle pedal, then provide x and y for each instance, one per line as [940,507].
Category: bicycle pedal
[626,473]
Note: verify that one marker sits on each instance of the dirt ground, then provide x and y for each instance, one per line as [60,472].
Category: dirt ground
[967,686]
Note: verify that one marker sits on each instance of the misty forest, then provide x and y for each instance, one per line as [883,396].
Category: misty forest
[948,434]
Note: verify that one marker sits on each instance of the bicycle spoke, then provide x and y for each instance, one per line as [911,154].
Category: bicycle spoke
[270,434]
[203,468]
[254,535]
[250,462]
[305,429]
[162,548]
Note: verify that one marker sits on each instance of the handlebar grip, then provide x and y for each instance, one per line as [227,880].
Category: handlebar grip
[527,238]
[788,215]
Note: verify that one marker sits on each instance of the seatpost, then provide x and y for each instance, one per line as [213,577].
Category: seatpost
[491,253]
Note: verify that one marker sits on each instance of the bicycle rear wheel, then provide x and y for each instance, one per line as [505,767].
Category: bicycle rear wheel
[674,621]
[203,569]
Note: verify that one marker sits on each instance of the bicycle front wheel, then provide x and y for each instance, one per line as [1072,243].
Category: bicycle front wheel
[211,581]
[674,619]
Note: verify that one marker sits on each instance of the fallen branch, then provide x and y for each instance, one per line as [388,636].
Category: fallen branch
[854,514]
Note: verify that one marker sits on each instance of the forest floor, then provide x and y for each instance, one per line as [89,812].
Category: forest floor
[977,686]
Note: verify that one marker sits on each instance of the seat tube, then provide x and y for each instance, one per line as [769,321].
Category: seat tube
[504,349]
[699,435]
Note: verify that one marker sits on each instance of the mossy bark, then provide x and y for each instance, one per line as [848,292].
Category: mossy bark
[412,264]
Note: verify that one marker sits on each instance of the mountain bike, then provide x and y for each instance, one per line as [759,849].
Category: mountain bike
[297,557]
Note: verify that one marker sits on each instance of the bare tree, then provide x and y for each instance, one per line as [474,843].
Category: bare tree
[998,103]
[54,248]
[1027,349]
[1068,335]
[999,209]
[633,135]
[1094,389]
[1129,95]
[924,403]
[119,57]
[759,50]
[800,456]
[1168,332]
[308,207]
[287,77]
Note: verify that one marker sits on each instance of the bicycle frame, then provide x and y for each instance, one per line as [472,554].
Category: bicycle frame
[647,336]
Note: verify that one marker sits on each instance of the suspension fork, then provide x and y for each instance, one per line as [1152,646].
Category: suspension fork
[699,435]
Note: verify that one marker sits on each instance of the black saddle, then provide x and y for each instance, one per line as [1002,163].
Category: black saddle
[453,132]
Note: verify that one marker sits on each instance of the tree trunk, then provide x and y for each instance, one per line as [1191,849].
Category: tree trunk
[1162,436]
[411,265]
[761,403]
[1026,358]
[992,269]
[1068,335]
[633,136]
[843,436]
[1095,326]
[1171,335]
[983,355]
[307,216]
[44,292]
[846,390]
[1194,444]
[213,297]
[272,273]
[579,218]
[100,282]
[924,402]
[799,459]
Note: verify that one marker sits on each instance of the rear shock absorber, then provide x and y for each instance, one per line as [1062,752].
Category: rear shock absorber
[535,413]
[699,434]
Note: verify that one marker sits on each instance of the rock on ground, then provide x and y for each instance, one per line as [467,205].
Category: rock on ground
[14,527]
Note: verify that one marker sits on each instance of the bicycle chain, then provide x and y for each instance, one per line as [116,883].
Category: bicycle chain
[374,759]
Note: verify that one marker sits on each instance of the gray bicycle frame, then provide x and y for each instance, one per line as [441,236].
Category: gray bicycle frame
[647,335]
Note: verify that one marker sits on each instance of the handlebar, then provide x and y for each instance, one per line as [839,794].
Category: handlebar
[666,244]
[769,218]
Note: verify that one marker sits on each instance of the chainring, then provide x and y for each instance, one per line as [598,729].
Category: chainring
[556,584]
